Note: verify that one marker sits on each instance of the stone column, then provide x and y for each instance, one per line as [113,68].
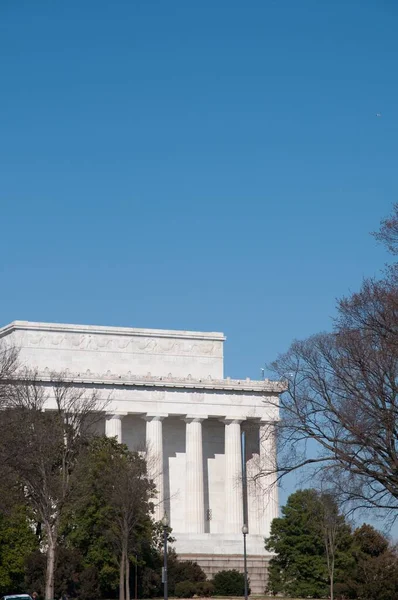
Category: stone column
[194,492]
[233,477]
[154,446]
[268,482]
[113,425]
[255,487]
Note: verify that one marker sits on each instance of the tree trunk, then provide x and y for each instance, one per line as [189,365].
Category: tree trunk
[332,586]
[121,575]
[127,577]
[50,567]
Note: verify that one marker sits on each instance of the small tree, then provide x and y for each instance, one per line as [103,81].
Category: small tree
[128,491]
[336,536]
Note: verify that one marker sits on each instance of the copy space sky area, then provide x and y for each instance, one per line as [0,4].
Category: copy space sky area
[195,165]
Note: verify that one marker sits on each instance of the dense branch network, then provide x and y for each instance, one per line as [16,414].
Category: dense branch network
[342,395]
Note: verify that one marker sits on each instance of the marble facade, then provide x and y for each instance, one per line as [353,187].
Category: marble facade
[167,394]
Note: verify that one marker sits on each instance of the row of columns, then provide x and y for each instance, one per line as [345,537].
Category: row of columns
[194,476]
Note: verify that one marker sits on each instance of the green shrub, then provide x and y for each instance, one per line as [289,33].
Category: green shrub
[179,571]
[188,570]
[229,583]
[188,589]
[205,589]
[89,588]
[185,589]
[149,582]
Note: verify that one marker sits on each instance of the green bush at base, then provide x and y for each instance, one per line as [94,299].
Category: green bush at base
[229,583]
[205,589]
[185,589]
[188,589]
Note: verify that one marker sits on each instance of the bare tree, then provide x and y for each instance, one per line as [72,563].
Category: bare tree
[334,531]
[42,448]
[8,368]
[128,496]
[388,232]
[342,396]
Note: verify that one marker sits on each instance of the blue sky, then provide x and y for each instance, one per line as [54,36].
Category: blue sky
[209,165]
[195,165]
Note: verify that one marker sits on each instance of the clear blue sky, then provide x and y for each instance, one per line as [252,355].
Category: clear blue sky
[212,165]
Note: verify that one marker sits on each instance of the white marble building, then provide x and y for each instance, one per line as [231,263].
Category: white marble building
[168,393]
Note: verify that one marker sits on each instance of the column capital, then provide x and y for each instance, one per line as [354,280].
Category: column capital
[229,420]
[154,416]
[194,418]
[115,415]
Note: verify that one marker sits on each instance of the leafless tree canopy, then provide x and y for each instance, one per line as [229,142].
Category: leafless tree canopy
[388,232]
[8,368]
[343,395]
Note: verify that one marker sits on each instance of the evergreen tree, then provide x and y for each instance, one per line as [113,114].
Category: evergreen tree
[113,519]
[17,542]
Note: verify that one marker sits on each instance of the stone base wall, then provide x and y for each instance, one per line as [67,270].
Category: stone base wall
[257,567]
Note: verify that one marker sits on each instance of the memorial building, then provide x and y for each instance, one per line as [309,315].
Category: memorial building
[168,394]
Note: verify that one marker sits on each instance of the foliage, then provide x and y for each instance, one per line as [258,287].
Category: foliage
[149,566]
[376,574]
[229,583]
[112,523]
[185,589]
[94,520]
[89,588]
[149,582]
[188,589]
[86,524]
[35,569]
[53,442]
[298,538]
[17,542]
[369,541]
[150,563]
[68,567]
[366,564]
[70,575]
[376,577]
[205,589]
[184,570]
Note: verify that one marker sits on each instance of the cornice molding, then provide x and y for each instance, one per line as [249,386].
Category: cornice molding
[129,380]
[104,330]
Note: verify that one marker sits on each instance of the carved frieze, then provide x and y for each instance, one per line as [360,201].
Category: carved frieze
[128,344]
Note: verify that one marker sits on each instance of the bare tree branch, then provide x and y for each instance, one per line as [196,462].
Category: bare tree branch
[342,400]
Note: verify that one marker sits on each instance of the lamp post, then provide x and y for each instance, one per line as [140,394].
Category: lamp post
[245,531]
[165,523]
